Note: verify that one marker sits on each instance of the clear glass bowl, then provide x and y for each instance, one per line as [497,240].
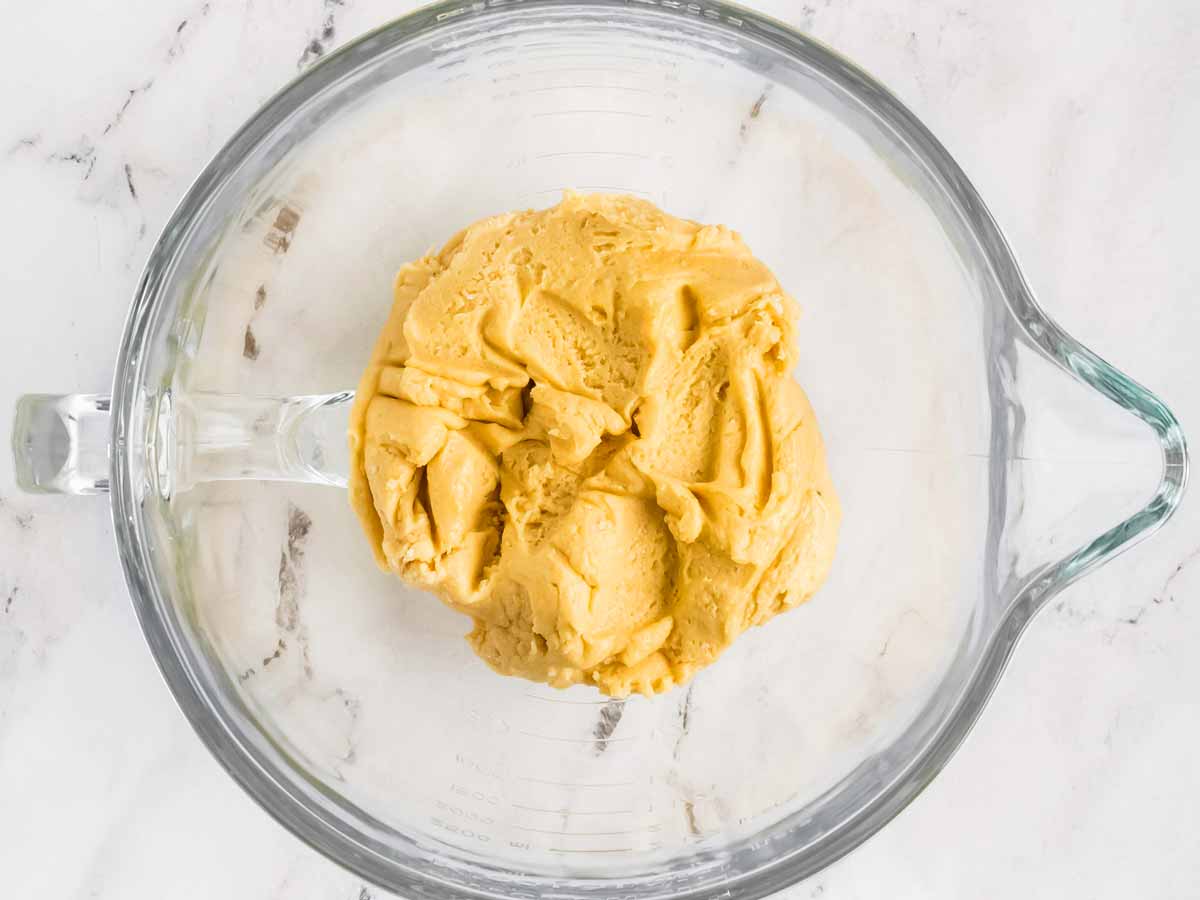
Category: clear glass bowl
[984,458]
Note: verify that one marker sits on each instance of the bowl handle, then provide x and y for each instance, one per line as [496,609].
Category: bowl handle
[62,443]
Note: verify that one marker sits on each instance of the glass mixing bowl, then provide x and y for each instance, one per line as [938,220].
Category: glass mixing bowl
[985,459]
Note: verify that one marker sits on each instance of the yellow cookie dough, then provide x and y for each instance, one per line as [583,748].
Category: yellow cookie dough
[579,428]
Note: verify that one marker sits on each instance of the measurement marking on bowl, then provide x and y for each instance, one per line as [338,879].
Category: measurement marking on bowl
[571,70]
[504,63]
[572,812]
[611,850]
[599,53]
[628,832]
[569,784]
[478,767]
[481,796]
[602,87]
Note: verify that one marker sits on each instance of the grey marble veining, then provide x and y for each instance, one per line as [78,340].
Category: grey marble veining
[1080,131]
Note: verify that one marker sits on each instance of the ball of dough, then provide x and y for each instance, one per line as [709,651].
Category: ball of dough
[579,427]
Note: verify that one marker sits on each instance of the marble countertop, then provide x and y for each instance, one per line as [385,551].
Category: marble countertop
[1081,130]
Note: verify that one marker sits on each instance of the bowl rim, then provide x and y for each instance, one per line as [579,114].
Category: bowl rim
[293,811]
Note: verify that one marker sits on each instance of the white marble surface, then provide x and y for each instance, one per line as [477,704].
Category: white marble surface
[1079,127]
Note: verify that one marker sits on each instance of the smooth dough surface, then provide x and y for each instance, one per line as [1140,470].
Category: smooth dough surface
[579,428]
